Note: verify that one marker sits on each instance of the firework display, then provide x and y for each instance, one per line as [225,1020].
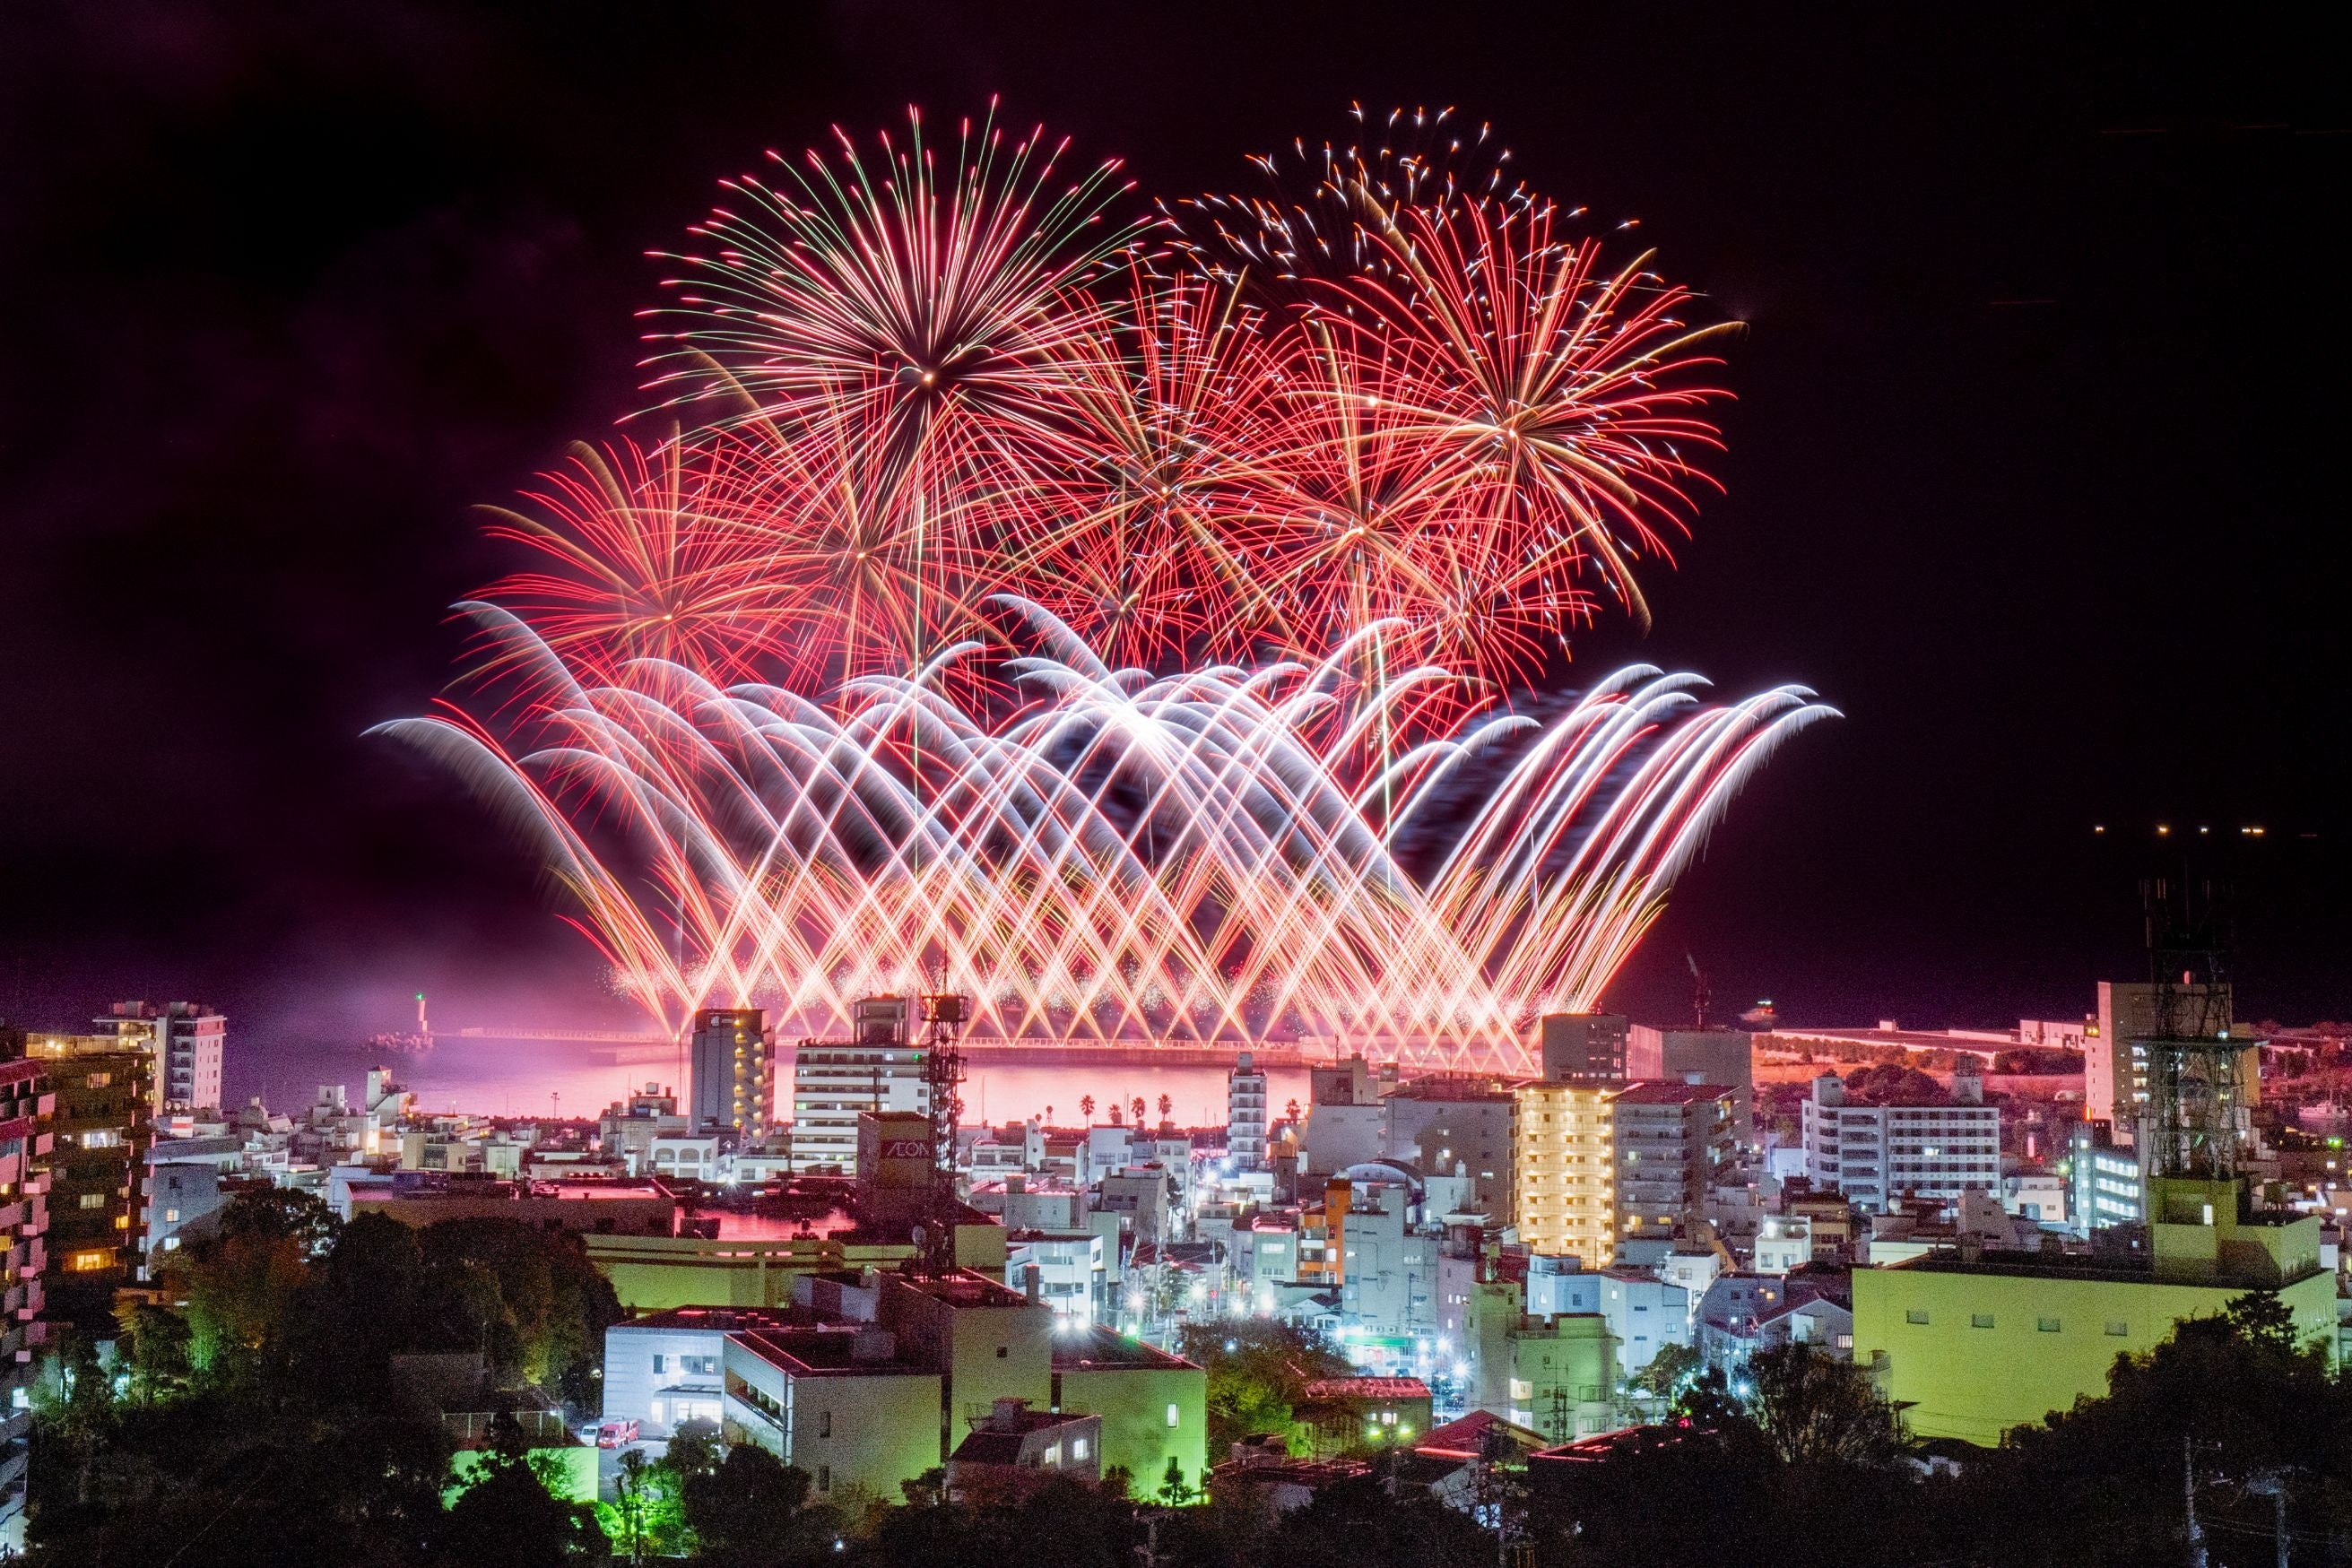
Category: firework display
[1139,626]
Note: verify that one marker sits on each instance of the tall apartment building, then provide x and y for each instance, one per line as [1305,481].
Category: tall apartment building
[1451,1126]
[2115,1064]
[727,1072]
[25,1105]
[1563,1158]
[1246,1114]
[187,1040]
[878,1069]
[1876,1153]
[1583,1048]
[1725,1056]
[1673,1140]
[101,1129]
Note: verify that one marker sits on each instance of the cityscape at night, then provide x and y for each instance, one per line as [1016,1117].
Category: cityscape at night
[1337,786]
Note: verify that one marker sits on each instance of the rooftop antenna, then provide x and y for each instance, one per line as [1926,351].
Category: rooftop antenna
[1699,997]
[943,1070]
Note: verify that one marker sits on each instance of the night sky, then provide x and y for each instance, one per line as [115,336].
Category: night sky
[2040,405]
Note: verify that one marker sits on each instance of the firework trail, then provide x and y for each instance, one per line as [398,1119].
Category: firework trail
[1211,855]
[1120,616]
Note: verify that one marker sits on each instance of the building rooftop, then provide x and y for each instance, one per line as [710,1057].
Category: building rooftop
[1367,1388]
[1098,1349]
[2071,1266]
[724,1320]
[1666,1092]
[963,1288]
[1462,1089]
[1469,1437]
[816,1351]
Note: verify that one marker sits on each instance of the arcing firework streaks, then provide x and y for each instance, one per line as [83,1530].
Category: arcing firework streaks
[1211,855]
[1119,615]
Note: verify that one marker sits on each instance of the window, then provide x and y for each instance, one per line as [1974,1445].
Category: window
[1915,1315]
[699,1365]
[1175,1415]
[1001,1352]
[824,1477]
[1078,1448]
[824,1424]
[91,1200]
[2118,1328]
[92,1262]
[1979,1319]
[2046,1325]
[661,1364]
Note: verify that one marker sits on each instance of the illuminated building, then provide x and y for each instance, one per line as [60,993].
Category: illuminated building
[2107,1180]
[628,1127]
[727,1058]
[187,1040]
[101,1130]
[847,1404]
[1725,1056]
[1672,1141]
[1153,1404]
[1583,1048]
[1245,1115]
[1878,1154]
[2115,1064]
[1447,1126]
[26,1104]
[1969,1346]
[1563,1182]
[877,1069]
[1014,1448]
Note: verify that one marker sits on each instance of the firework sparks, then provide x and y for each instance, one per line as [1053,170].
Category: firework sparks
[1212,856]
[1119,615]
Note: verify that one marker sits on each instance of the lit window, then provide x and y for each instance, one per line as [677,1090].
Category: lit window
[1175,1415]
[91,1200]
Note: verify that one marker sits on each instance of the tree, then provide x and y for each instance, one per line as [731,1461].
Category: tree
[1817,1411]
[1254,1384]
[507,1517]
[1290,1110]
[746,1511]
[1086,1107]
[301,1217]
[1174,1490]
[1669,1370]
[1137,1106]
[646,1517]
[1166,1108]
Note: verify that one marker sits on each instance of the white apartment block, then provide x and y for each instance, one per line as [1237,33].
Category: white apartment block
[1876,1155]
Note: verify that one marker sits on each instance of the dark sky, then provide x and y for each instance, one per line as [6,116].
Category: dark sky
[2040,407]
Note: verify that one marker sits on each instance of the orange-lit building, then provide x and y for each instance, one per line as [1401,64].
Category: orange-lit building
[96,1169]
[26,1104]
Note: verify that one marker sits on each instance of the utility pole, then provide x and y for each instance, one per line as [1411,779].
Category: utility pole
[2274,1483]
[2196,1557]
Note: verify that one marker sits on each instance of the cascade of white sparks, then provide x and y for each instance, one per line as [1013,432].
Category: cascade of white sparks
[1212,856]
